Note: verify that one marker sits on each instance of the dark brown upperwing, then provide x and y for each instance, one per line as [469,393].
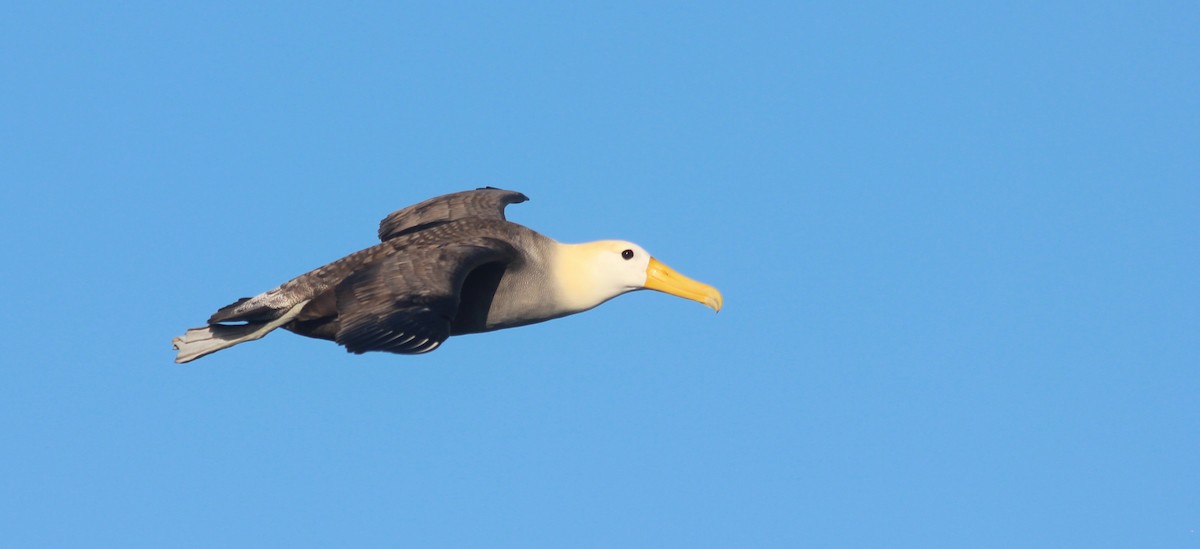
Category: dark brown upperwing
[487,203]
[406,302]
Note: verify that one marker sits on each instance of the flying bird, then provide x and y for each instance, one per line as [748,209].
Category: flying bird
[450,265]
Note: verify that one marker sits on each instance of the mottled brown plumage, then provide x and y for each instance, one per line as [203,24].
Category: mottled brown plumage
[485,203]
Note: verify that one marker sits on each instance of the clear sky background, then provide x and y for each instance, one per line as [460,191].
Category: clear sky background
[958,244]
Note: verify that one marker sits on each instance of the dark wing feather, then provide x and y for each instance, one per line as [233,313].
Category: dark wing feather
[404,303]
[487,203]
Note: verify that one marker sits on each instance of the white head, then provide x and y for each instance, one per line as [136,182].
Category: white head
[591,273]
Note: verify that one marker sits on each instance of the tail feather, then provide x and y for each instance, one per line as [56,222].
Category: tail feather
[198,342]
[263,307]
[228,312]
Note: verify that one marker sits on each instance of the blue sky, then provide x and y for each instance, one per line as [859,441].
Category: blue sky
[957,243]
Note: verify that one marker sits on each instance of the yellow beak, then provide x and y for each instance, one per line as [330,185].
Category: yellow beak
[661,278]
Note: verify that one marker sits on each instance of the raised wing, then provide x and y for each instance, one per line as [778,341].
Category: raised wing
[405,303]
[487,203]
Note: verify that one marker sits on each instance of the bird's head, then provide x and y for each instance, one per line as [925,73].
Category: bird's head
[594,272]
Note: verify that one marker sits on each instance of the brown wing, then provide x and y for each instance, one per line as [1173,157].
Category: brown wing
[404,303]
[487,203]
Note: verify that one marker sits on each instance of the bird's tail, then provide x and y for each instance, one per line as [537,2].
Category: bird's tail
[205,340]
[198,342]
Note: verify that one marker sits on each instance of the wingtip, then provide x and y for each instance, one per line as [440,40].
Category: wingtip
[515,197]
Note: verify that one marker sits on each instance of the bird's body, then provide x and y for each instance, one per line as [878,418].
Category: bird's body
[448,266]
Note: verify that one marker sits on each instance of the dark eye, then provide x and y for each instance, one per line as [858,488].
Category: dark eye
[627,254]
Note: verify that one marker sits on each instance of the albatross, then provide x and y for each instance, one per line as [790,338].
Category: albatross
[450,265]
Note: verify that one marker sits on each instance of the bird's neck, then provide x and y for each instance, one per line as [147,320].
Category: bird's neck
[577,280]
